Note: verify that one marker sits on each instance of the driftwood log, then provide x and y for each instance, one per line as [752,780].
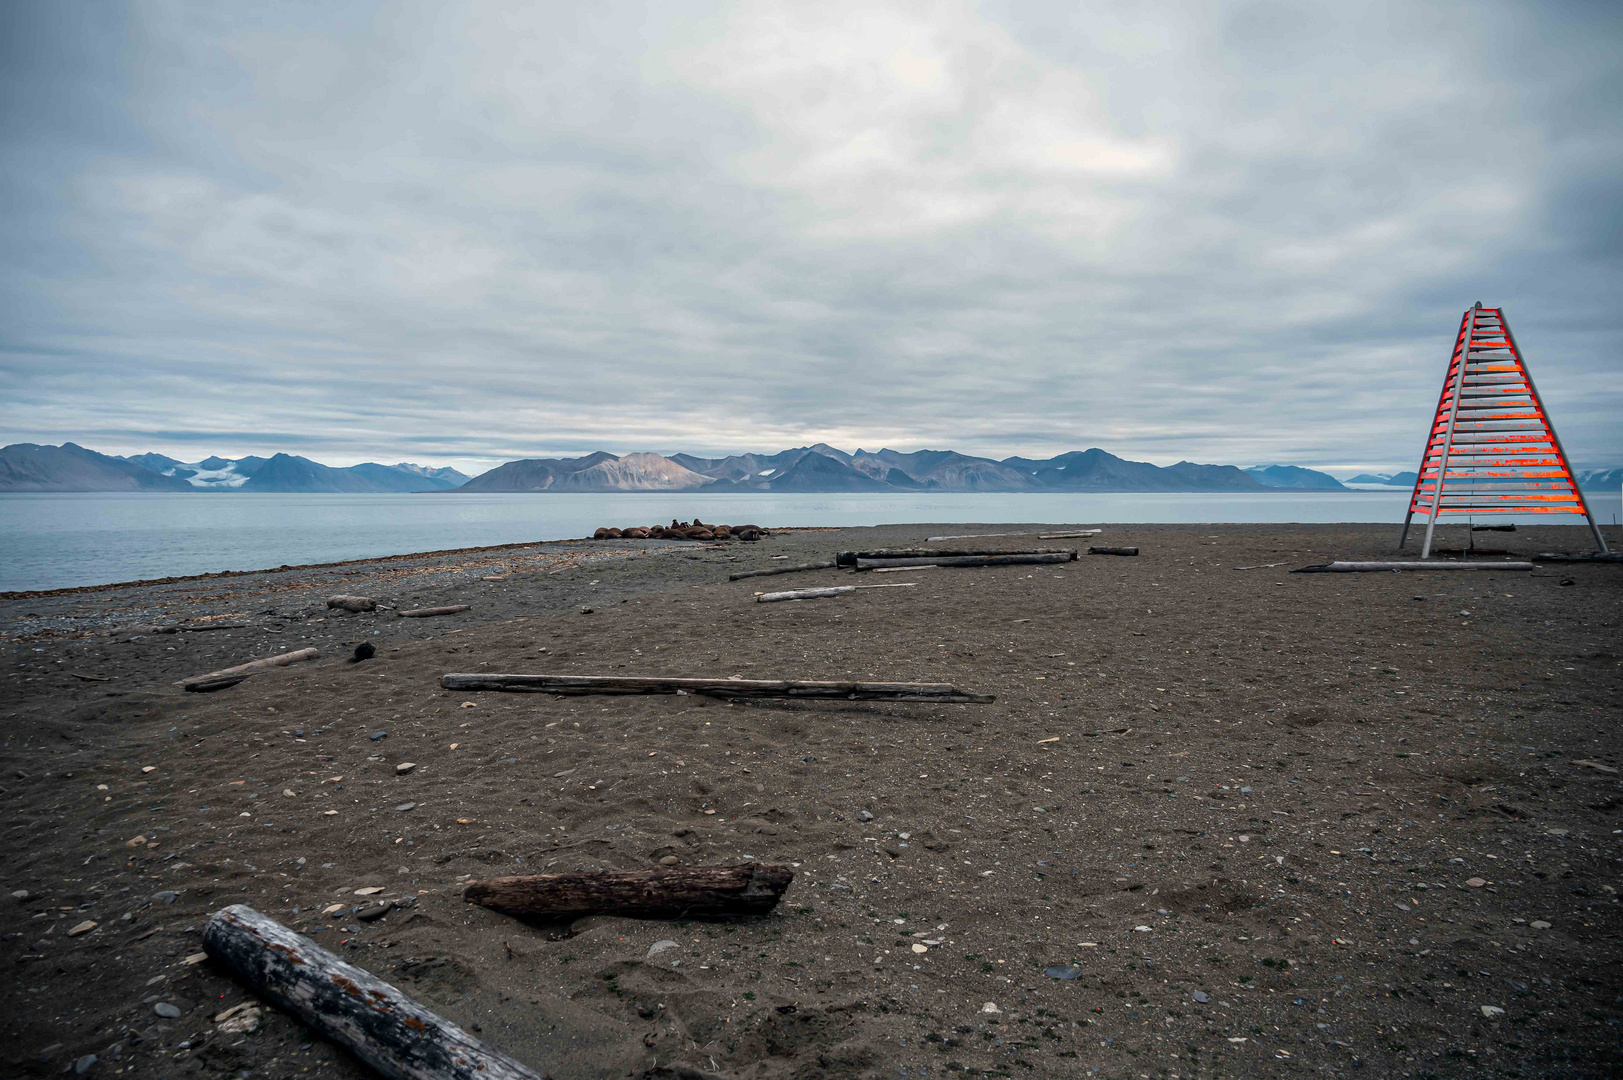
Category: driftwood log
[1493,528]
[770,571]
[720,688]
[349,1005]
[968,560]
[1078,534]
[805,594]
[231,676]
[352,603]
[1429,564]
[431,612]
[699,893]
[1112,551]
[850,558]
[1593,556]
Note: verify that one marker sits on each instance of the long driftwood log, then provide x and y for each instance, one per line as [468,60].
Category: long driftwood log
[720,688]
[699,893]
[1592,556]
[850,558]
[218,680]
[968,560]
[431,612]
[356,604]
[1079,533]
[349,1005]
[1112,551]
[805,594]
[1429,564]
[773,570]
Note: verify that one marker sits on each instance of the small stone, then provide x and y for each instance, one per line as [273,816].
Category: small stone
[1539,924]
[990,1007]
[289,792]
[1201,997]
[195,958]
[364,651]
[149,768]
[1491,1011]
[1162,911]
[585,611]
[1142,929]
[864,816]
[404,767]
[376,911]
[167,1010]
[660,946]
[85,1064]
[333,910]
[1475,882]
[919,947]
[1063,972]
[240,1019]
[406,806]
[669,860]
[83,928]
[136,841]
[369,890]
[20,895]
[167,896]
[378,736]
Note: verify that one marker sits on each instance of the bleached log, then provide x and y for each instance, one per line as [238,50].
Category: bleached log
[849,558]
[216,680]
[1112,551]
[968,560]
[352,603]
[349,1005]
[431,612]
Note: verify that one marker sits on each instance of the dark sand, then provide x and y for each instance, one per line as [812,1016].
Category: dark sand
[1269,873]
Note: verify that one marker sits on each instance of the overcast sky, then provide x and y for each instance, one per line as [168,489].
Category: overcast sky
[464,233]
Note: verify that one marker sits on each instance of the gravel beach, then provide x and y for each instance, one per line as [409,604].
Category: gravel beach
[1220,820]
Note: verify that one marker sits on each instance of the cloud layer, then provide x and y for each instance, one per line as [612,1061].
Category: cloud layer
[467,233]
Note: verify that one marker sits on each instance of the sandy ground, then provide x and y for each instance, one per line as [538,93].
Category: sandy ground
[1273,824]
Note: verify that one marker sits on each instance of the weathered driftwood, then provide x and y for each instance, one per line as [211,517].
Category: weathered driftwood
[1493,528]
[850,558]
[1112,551]
[967,560]
[1069,535]
[176,628]
[352,603]
[705,892]
[1592,556]
[349,1005]
[805,594]
[141,628]
[974,536]
[1428,564]
[770,571]
[216,680]
[721,688]
[431,612]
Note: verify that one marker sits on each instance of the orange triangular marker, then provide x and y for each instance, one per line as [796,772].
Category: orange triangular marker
[1492,448]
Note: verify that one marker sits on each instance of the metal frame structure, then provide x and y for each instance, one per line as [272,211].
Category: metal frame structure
[1492,448]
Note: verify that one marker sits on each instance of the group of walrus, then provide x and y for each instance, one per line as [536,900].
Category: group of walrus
[683,530]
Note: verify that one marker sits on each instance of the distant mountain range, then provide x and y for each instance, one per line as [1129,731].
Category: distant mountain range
[817,468]
[69,467]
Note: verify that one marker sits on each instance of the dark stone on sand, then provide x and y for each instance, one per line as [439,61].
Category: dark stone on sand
[1064,972]
[166,896]
[364,651]
[166,1010]
[378,736]
[376,911]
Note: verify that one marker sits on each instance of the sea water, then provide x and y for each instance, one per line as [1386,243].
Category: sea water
[58,540]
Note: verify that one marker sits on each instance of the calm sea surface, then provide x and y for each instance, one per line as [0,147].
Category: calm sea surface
[50,541]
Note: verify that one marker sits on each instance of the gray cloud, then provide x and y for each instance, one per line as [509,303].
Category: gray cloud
[1232,232]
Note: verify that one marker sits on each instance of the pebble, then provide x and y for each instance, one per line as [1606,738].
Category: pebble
[404,767]
[1539,924]
[407,806]
[1491,1011]
[378,736]
[1201,997]
[864,816]
[669,860]
[376,911]
[990,1007]
[166,1010]
[195,958]
[369,890]
[1064,972]
[20,895]
[660,946]
[1475,882]
[166,896]
[1142,929]
[85,1064]
[919,947]
[83,928]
